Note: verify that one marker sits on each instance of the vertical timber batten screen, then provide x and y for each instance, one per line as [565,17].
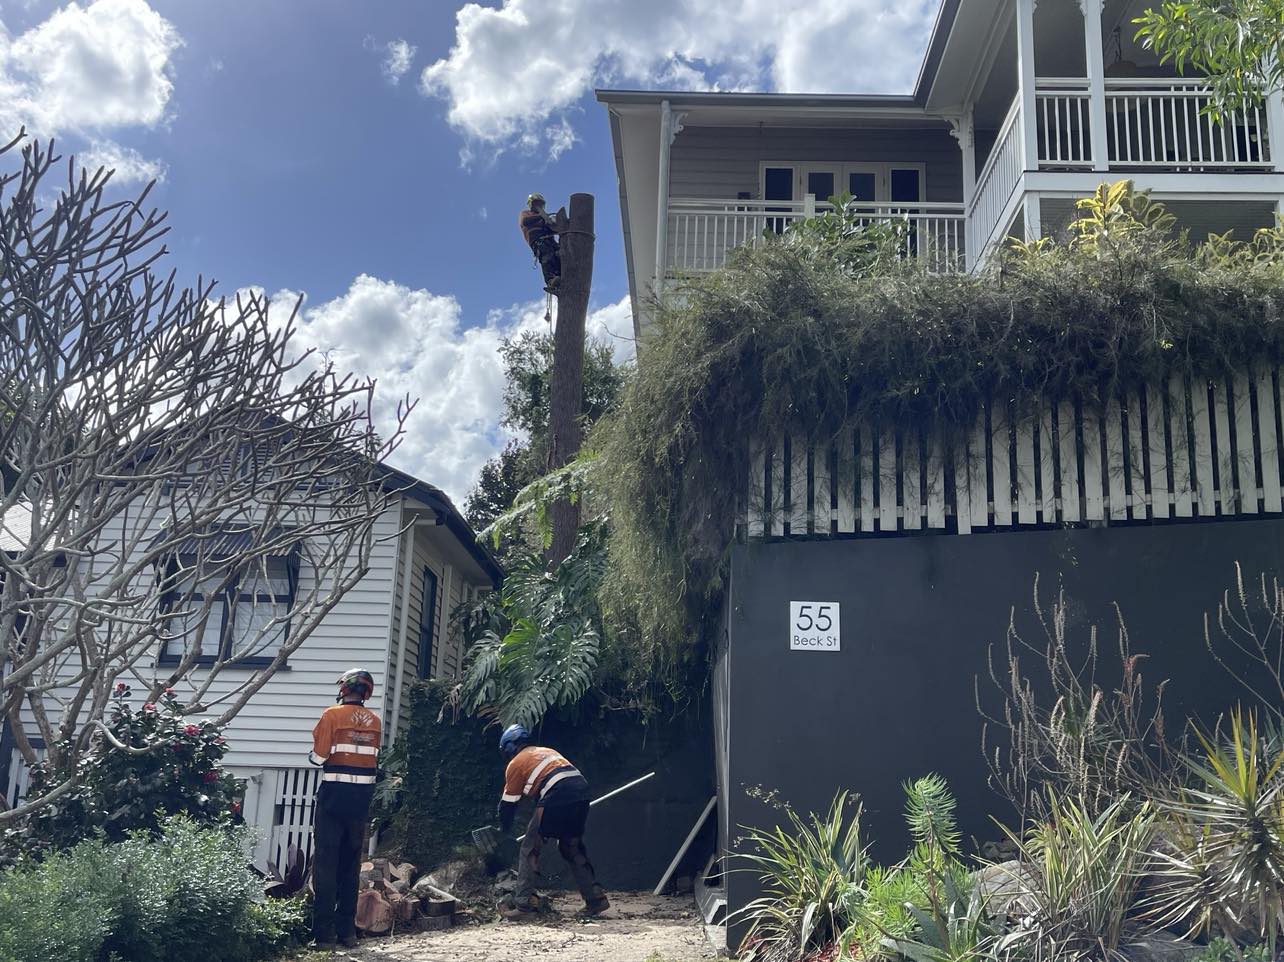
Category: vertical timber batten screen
[1187,448]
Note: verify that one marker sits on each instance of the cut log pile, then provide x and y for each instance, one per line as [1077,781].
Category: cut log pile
[393,897]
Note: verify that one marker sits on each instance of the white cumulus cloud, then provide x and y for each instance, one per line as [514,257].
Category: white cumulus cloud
[91,70]
[516,69]
[416,343]
[129,166]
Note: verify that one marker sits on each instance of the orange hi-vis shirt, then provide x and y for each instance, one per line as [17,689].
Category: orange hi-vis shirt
[533,771]
[345,742]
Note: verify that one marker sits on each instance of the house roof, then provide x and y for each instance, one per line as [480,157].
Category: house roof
[438,501]
[15,528]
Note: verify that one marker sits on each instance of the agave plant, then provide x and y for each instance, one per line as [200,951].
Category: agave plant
[288,879]
[812,873]
[1223,869]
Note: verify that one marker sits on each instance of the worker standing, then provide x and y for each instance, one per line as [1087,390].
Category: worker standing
[561,797]
[540,232]
[345,743]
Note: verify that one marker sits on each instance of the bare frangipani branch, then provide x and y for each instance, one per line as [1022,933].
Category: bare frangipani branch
[182,490]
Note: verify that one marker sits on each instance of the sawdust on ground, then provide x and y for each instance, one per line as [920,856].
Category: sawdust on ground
[638,927]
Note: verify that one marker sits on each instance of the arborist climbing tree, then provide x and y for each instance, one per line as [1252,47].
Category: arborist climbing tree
[540,231]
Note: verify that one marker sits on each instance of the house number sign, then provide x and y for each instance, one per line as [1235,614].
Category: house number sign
[813,626]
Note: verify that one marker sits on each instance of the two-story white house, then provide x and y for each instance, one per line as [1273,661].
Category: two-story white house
[1149,502]
[396,622]
[1019,108]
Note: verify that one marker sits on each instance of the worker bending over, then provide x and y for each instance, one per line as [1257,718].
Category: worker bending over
[540,231]
[345,743]
[561,797]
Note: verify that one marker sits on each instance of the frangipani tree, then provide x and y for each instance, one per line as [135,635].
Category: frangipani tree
[185,495]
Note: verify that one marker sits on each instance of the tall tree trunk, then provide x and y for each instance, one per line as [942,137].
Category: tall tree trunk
[566,401]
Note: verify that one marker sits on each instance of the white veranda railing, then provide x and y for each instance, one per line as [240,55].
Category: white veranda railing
[996,182]
[703,231]
[1161,123]
[1062,106]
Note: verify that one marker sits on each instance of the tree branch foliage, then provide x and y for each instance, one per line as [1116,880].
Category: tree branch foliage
[1238,44]
[165,448]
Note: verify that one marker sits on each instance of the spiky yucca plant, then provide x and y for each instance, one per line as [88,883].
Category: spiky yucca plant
[1223,869]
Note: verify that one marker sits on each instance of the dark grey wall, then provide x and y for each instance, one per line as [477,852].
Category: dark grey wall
[918,614]
[632,837]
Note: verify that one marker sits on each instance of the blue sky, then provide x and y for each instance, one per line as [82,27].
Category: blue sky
[373,155]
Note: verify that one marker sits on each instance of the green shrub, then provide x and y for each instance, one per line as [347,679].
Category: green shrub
[185,895]
[119,792]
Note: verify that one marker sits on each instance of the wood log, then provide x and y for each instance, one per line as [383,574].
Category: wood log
[438,907]
[374,914]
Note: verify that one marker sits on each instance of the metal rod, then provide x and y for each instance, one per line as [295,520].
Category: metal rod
[612,794]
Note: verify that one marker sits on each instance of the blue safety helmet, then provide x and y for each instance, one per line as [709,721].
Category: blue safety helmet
[512,739]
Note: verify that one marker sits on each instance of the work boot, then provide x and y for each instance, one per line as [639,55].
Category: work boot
[321,944]
[513,909]
[349,941]
[597,902]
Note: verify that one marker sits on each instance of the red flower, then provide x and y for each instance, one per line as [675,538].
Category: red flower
[150,706]
[236,808]
[211,776]
[169,691]
[191,730]
[220,740]
[121,688]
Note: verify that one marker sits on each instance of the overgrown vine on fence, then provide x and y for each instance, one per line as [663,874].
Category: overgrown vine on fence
[782,337]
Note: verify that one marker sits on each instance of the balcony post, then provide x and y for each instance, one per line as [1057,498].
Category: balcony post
[1025,84]
[1275,128]
[961,129]
[809,206]
[662,214]
[1096,64]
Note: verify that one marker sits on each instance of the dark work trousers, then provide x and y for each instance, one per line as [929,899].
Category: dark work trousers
[566,824]
[549,256]
[336,865]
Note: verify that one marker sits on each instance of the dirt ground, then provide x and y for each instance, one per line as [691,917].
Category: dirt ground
[638,927]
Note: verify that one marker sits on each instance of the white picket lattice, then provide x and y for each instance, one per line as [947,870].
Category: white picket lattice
[295,796]
[1152,453]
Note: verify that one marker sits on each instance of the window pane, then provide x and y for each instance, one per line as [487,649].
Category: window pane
[905,186]
[275,580]
[251,635]
[189,622]
[821,183]
[863,185]
[427,621]
[778,183]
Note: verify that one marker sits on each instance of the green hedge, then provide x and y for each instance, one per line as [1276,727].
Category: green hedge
[184,896]
[452,778]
